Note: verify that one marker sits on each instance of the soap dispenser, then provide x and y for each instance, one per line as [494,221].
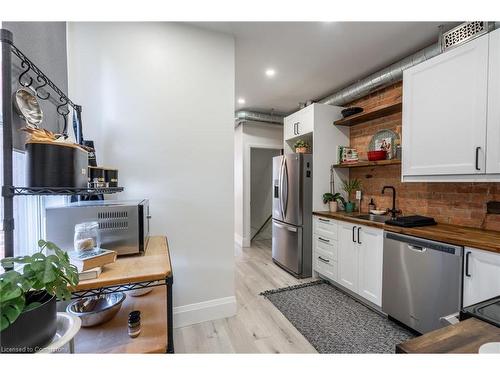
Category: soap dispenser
[371,205]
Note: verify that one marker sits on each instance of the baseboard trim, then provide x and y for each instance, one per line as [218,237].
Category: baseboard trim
[246,242]
[238,239]
[204,311]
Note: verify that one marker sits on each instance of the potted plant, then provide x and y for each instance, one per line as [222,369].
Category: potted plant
[301,147]
[350,186]
[332,200]
[28,317]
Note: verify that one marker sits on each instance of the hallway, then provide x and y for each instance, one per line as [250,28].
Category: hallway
[258,326]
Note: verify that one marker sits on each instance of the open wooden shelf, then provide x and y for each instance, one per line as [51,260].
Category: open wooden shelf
[371,114]
[366,163]
[112,336]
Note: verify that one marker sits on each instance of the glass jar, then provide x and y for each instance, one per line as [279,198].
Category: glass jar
[87,236]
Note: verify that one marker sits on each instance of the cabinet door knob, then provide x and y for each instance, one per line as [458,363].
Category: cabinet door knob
[359,228]
[353,229]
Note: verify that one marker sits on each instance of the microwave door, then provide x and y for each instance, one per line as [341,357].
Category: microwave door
[277,188]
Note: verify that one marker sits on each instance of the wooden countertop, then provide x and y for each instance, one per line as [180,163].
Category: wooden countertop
[153,265]
[453,234]
[464,337]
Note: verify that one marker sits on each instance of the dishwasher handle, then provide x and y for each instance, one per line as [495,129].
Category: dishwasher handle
[416,248]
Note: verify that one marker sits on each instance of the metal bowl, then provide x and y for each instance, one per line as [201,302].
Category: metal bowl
[96,310]
[27,106]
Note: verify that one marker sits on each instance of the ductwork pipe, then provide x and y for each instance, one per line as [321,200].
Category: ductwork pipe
[258,116]
[382,78]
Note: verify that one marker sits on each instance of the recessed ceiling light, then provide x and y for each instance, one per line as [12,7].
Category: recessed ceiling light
[270,72]
[241,101]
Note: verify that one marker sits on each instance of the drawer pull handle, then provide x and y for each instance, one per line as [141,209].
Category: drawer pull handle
[324,260]
[324,220]
[323,240]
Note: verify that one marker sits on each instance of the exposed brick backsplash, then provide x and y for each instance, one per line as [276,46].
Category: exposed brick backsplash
[453,203]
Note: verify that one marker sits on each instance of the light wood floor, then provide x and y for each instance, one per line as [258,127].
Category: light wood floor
[258,327]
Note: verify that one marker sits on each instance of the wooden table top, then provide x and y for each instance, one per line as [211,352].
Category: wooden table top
[453,234]
[154,264]
[464,337]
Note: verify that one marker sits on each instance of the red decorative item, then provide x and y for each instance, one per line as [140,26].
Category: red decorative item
[377,155]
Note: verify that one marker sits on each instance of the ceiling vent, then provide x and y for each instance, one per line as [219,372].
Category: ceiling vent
[464,33]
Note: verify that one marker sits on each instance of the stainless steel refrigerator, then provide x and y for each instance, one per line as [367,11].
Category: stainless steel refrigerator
[292,213]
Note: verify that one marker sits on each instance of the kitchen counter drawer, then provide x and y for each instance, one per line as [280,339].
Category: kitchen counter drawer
[325,227]
[325,266]
[326,246]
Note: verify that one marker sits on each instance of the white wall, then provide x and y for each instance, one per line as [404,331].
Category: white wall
[158,100]
[252,134]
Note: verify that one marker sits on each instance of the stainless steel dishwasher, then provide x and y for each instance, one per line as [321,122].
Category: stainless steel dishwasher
[421,281]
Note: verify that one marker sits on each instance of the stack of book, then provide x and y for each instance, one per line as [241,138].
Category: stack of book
[347,155]
[89,263]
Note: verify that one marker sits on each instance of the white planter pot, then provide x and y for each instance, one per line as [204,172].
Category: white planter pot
[334,206]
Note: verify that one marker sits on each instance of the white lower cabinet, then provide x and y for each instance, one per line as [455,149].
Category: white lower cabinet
[371,253]
[348,257]
[360,252]
[481,276]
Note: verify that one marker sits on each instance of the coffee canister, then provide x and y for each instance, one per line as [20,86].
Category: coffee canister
[96,177]
[111,177]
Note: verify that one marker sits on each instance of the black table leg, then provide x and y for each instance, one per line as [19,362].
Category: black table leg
[170,316]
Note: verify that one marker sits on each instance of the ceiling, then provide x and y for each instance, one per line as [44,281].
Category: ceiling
[314,59]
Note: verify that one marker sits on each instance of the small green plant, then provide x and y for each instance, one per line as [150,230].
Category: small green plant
[301,143]
[51,273]
[329,197]
[350,186]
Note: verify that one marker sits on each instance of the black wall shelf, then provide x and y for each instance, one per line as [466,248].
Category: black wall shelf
[62,190]
[44,89]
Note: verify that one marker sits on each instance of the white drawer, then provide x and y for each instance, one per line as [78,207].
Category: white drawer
[325,227]
[325,267]
[326,247]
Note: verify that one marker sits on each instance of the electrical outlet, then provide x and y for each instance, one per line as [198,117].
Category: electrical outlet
[493,207]
[358,194]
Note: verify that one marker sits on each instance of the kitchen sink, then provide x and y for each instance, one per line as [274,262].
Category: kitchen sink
[371,217]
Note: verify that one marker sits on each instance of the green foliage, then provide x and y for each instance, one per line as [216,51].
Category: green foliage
[301,143]
[329,197]
[350,186]
[51,273]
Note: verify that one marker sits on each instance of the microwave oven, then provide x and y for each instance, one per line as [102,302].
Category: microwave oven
[123,225]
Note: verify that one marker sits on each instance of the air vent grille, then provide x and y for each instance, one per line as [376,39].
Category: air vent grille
[464,33]
[107,225]
[112,215]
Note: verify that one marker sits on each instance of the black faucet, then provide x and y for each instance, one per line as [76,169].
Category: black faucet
[393,211]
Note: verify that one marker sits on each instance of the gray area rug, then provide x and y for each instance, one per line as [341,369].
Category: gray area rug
[334,322]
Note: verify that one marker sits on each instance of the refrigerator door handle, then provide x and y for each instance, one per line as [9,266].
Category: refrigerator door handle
[290,229]
[281,187]
[285,196]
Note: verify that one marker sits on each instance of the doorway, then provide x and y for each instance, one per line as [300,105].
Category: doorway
[261,192]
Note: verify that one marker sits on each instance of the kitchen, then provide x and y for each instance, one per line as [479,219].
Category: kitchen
[385,237]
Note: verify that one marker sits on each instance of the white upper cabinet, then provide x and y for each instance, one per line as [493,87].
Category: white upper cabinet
[493,128]
[444,113]
[481,276]
[299,123]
